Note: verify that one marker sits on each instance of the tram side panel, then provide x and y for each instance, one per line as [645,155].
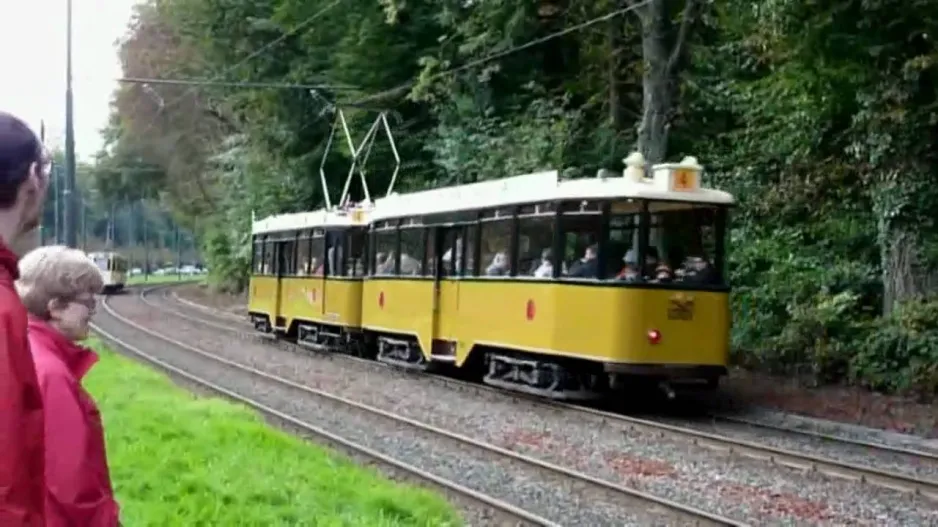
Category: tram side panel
[400,307]
[262,300]
[343,302]
[604,324]
[302,299]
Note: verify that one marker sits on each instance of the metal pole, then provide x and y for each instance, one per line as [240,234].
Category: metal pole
[178,254]
[84,225]
[130,235]
[69,223]
[57,218]
[146,243]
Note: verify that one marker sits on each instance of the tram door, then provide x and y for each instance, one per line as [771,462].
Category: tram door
[286,262]
[449,251]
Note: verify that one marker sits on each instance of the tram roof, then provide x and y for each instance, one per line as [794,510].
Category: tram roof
[321,218]
[537,188]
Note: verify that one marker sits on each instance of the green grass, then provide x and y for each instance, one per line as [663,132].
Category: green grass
[181,460]
[162,279]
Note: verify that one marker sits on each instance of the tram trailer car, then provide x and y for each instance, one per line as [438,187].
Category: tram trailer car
[536,283]
[307,275]
[113,267]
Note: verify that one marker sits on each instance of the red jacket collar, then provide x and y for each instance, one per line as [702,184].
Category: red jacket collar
[9,261]
[78,359]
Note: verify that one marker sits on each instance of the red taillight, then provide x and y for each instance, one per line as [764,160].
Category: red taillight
[654,336]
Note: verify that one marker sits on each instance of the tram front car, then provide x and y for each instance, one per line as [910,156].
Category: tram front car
[642,293]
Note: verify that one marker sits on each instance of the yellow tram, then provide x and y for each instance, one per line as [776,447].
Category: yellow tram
[307,276]
[567,289]
[113,267]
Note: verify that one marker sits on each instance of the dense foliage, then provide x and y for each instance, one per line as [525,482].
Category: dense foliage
[820,117]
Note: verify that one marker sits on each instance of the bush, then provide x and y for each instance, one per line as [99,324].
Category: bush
[900,352]
[798,316]
[229,260]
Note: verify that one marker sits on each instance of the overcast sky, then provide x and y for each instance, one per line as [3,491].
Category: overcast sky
[32,64]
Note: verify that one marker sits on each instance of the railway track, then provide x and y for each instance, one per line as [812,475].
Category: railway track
[906,481]
[591,492]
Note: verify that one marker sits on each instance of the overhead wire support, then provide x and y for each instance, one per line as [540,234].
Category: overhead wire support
[633,5]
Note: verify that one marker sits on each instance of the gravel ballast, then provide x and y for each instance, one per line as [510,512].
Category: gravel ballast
[726,484]
[532,489]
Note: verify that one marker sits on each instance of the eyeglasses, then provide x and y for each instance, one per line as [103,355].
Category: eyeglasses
[90,303]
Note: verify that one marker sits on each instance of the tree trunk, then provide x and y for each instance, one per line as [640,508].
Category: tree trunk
[614,32]
[904,275]
[662,53]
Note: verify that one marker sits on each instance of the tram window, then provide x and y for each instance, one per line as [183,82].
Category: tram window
[317,258]
[355,262]
[411,251]
[535,242]
[581,226]
[302,255]
[495,239]
[452,251]
[335,254]
[469,251]
[258,256]
[429,269]
[385,252]
[684,240]
[268,267]
[287,263]
[622,248]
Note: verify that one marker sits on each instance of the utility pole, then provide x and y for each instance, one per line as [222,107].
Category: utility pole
[69,223]
[146,242]
[84,225]
[178,254]
[130,234]
[57,218]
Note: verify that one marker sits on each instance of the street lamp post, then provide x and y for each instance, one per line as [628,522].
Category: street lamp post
[69,224]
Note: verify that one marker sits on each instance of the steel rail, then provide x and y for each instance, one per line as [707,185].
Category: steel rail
[695,515]
[775,455]
[501,508]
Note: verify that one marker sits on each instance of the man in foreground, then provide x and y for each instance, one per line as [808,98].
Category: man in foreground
[24,178]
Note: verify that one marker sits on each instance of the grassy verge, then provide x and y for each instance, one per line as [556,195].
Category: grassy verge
[178,459]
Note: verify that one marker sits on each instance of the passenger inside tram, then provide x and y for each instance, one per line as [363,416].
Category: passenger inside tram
[588,266]
[499,265]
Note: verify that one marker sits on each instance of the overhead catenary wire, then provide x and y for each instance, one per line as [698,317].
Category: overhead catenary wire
[633,6]
[237,84]
[296,29]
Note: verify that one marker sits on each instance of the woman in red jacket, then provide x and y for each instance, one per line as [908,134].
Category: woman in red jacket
[58,287]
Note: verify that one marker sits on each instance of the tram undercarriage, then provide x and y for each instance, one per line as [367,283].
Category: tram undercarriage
[401,352]
[542,377]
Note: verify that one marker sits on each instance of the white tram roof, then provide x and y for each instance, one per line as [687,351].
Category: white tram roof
[547,186]
[321,218]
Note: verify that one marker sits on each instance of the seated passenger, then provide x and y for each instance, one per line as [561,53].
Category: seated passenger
[387,266]
[546,267]
[410,266]
[58,287]
[588,266]
[499,265]
[698,270]
[663,274]
[629,272]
